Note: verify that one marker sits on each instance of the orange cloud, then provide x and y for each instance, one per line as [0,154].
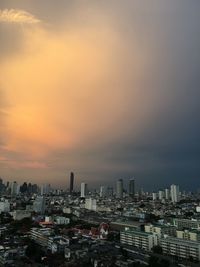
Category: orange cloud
[17,16]
[54,87]
[65,91]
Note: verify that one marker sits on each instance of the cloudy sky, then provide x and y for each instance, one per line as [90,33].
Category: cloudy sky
[109,89]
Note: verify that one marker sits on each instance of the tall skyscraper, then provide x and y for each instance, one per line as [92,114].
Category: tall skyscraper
[102,192]
[175,193]
[154,196]
[161,194]
[15,188]
[167,194]
[39,204]
[71,183]
[83,189]
[119,189]
[45,189]
[132,187]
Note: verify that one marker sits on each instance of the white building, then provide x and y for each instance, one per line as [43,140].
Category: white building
[102,191]
[197,209]
[161,195]
[154,195]
[4,206]
[67,210]
[175,193]
[91,204]
[180,248]
[193,235]
[84,190]
[161,230]
[61,220]
[139,239]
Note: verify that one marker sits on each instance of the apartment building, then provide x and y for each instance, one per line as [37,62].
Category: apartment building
[138,239]
[41,235]
[186,223]
[193,235]
[184,249]
[161,229]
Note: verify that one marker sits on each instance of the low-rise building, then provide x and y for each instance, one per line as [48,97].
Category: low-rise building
[58,243]
[161,230]
[139,239]
[91,204]
[193,235]
[20,214]
[61,220]
[184,249]
[4,206]
[186,223]
[41,235]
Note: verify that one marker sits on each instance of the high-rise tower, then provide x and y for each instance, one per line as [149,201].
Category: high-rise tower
[71,183]
[119,189]
[84,189]
[175,193]
[132,187]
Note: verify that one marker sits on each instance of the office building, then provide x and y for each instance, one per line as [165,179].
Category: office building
[39,204]
[119,189]
[132,187]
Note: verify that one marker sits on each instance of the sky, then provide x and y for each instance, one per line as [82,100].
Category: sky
[108,89]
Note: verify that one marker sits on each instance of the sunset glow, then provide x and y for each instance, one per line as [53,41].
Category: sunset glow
[80,88]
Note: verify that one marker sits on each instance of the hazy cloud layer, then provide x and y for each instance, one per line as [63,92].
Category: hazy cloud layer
[108,89]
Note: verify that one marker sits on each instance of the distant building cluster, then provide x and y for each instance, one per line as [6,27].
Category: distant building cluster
[115,221]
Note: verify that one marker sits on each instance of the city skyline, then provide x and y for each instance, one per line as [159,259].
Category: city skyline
[107,89]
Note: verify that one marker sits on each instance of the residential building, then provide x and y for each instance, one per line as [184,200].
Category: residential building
[175,193]
[139,239]
[84,190]
[184,249]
